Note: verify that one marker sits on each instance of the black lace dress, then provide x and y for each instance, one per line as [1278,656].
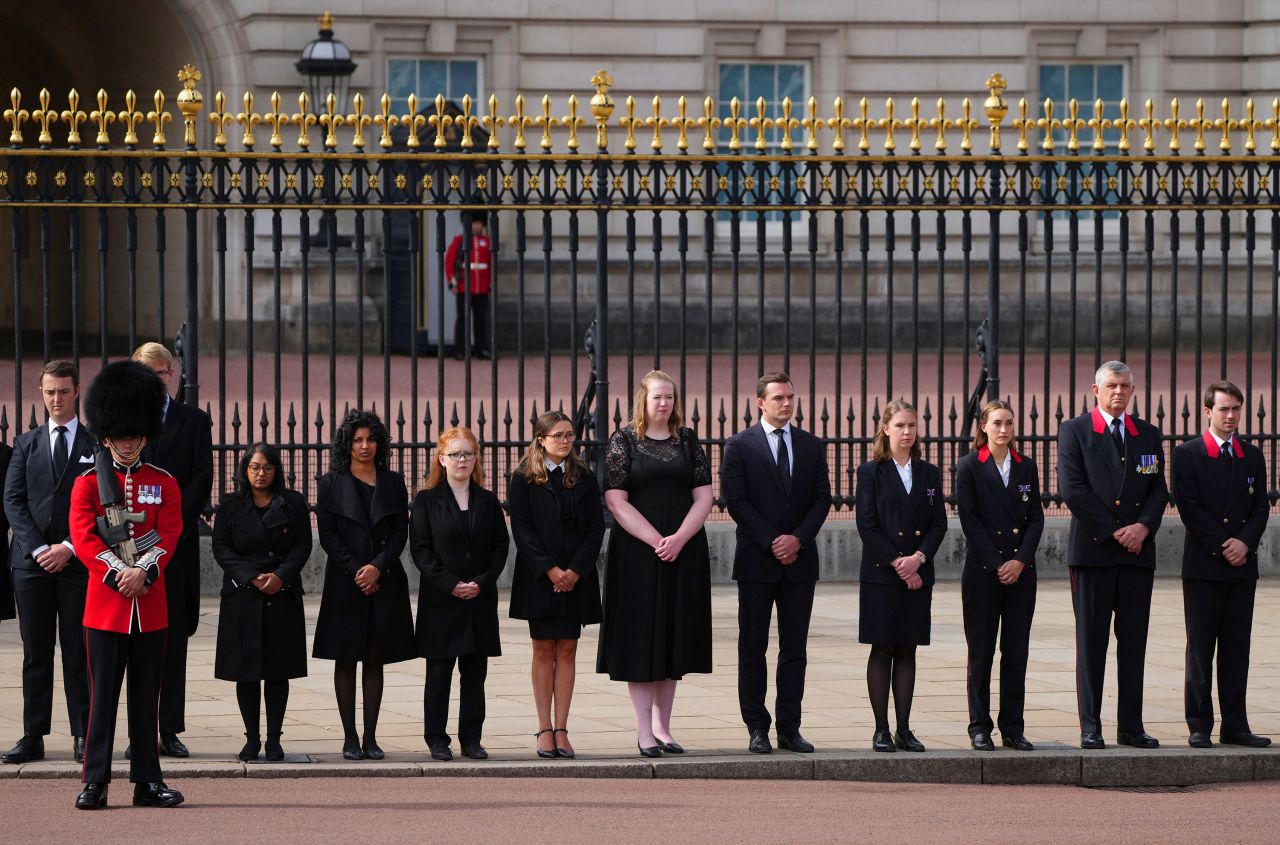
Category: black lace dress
[657,615]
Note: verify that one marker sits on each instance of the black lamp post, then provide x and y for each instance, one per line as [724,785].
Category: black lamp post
[327,64]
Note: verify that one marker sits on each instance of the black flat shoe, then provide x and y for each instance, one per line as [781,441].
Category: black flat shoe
[882,741]
[795,742]
[1138,740]
[371,750]
[1092,741]
[92,797]
[671,747]
[1200,739]
[544,754]
[1017,742]
[759,743]
[568,753]
[252,746]
[474,751]
[982,742]
[77,748]
[28,750]
[1248,740]
[351,751]
[156,795]
[274,752]
[171,746]
[651,751]
[440,751]
[907,741]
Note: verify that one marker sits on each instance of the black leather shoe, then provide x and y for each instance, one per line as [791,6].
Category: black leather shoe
[171,746]
[543,753]
[982,742]
[77,748]
[351,751]
[671,747]
[274,752]
[759,743]
[1139,740]
[252,747]
[568,753]
[92,797]
[651,751]
[1200,739]
[1248,740]
[882,741]
[1092,741]
[440,751]
[28,749]
[371,750]
[795,742]
[907,741]
[474,750]
[1017,742]
[155,795]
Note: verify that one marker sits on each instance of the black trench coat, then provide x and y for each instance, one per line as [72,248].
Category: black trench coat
[352,537]
[261,637]
[449,551]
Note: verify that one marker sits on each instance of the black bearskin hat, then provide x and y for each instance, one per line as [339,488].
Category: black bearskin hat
[125,400]
[473,214]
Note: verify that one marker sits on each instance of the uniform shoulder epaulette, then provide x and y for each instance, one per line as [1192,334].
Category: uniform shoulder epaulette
[159,469]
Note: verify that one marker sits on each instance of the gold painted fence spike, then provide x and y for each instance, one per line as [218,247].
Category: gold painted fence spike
[657,123]
[521,122]
[492,122]
[941,125]
[220,119]
[103,118]
[358,120]
[385,121]
[1226,125]
[1150,125]
[277,120]
[304,119]
[44,117]
[709,123]
[73,117]
[414,122]
[573,122]
[158,117]
[787,123]
[16,115]
[839,123]
[762,124]
[248,119]
[130,117]
[812,123]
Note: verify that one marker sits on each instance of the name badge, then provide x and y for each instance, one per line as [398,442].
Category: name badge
[1148,464]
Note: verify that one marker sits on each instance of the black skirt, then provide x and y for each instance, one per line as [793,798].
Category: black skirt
[889,614]
[562,628]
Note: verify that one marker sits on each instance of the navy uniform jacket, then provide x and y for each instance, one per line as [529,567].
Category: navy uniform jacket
[1106,493]
[893,523]
[1000,523]
[1217,500]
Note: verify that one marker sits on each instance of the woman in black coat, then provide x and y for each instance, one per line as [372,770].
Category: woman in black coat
[901,520]
[557,521]
[363,523]
[459,543]
[998,496]
[261,539]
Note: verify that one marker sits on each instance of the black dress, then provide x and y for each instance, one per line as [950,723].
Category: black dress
[554,525]
[657,615]
[261,637]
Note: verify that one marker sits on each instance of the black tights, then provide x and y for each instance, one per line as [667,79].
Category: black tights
[344,686]
[896,662]
[277,696]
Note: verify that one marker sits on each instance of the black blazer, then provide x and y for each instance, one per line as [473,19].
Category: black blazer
[7,608]
[1217,500]
[36,502]
[892,523]
[246,546]
[450,548]
[185,450]
[999,523]
[1105,493]
[546,537]
[763,510]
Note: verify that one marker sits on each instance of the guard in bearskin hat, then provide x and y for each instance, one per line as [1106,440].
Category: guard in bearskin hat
[126,518]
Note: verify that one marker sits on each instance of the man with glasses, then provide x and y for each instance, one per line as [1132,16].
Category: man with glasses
[185,450]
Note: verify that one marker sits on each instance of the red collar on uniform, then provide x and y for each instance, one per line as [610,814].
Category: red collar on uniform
[985,452]
[1100,425]
[1211,445]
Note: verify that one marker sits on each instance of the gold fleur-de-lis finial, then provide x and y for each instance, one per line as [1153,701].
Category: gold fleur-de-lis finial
[1024,123]
[762,124]
[1047,125]
[331,120]
[967,124]
[864,123]
[787,124]
[521,122]
[708,123]
[1098,123]
[45,117]
[358,120]
[573,122]
[190,101]
[736,123]
[839,123]
[546,121]
[657,123]
[304,119]
[683,124]
[889,123]
[277,120]
[811,124]
[1273,123]
[1250,126]
[414,122]
[73,117]
[602,106]
[100,116]
[1125,124]
[467,122]
[1174,124]
[16,115]
[440,121]
[630,122]
[386,121]
[130,117]
[995,107]
[158,117]
[220,119]
[1073,124]
[1200,124]
[1150,125]
[915,123]
[941,125]
[248,119]
[492,122]
[1226,125]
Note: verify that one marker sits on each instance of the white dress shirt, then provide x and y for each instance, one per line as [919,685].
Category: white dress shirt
[772,440]
[904,472]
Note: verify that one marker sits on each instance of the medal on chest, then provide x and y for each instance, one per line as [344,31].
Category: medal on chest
[1025,490]
[1250,480]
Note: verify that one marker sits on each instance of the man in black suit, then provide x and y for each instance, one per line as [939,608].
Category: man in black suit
[185,451]
[7,609]
[1219,485]
[775,481]
[49,583]
[1111,472]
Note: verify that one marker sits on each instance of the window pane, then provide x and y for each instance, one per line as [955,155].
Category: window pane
[732,82]
[462,79]
[761,82]
[400,78]
[1080,83]
[1110,82]
[431,80]
[1052,81]
[791,82]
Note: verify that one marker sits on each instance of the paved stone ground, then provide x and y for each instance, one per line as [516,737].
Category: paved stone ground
[837,717]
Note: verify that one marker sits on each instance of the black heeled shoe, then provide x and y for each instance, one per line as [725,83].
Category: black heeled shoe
[671,747]
[568,753]
[252,746]
[274,752]
[351,750]
[546,755]
[651,751]
[883,741]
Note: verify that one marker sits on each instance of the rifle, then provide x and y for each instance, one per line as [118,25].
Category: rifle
[113,526]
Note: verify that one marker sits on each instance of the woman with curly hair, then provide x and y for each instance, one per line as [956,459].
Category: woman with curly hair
[363,522]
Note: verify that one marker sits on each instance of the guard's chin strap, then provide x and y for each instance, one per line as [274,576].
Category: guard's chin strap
[130,459]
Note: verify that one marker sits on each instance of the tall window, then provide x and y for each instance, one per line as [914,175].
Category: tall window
[749,81]
[428,77]
[1086,82]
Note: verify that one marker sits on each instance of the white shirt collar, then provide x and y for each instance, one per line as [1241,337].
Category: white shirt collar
[770,429]
[552,466]
[1221,443]
[1107,418]
[71,426]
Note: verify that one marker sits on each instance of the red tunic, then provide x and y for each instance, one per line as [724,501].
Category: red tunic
[481,264]
[148,490]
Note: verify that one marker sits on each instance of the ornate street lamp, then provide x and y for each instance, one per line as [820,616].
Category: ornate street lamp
[327,64]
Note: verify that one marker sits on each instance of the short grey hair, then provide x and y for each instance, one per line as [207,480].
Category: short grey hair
[1118,368]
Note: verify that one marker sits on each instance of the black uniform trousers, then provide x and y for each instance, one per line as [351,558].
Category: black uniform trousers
[479,323]
[51,610]
[111,656]
[1096,594]
[472,671]
[1218,613]
[756,600]
[173,686]
[992,610]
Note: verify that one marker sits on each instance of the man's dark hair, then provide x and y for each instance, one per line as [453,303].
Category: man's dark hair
[762,383]
[61,369]
[340,458]
[1223,386]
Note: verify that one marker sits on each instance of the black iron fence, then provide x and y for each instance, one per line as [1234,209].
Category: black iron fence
[870,257]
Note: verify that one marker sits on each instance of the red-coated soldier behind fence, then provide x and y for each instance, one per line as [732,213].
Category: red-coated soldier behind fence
[471,273]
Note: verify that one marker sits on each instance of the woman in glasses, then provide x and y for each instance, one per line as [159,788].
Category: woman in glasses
[558,525]
[261,539]
[459,543]
[364,611]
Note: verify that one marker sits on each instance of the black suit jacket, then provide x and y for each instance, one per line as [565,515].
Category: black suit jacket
[759,504]
[999,523]
[185,450]
[36,502]
[1218,500]
[7,609]
[1106,493]
[893,523]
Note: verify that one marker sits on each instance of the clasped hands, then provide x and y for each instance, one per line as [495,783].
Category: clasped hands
[562,580]
[132,582]
[268,583]
[467,590]
[54,559]
[669,548]
[908,567]
[1132,537]
[1235,552]
[367,579]
[785,547]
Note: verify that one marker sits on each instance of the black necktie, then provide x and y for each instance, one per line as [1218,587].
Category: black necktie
[1226,450]
[784,460]
[1117,436]
[558,474]
[60,451]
